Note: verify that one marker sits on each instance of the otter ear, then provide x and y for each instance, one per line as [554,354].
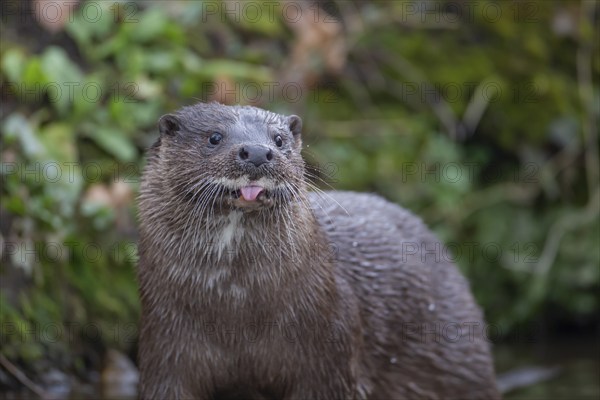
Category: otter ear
[294,123]
[168,125]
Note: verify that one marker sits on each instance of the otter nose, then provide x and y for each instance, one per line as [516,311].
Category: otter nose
[256,155]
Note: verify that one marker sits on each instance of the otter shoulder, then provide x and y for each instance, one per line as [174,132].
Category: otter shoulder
[368,231]
[365,211]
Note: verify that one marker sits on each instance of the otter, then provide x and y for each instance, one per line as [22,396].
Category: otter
[253,285]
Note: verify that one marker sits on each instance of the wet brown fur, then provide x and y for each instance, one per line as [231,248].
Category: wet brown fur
[304,296]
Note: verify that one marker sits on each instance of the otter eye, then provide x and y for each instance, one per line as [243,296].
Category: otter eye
[278,141]
[215,138]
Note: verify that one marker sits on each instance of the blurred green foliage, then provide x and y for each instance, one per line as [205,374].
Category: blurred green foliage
[480,126]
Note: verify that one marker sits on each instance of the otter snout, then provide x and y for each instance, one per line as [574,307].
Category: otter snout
[255,154]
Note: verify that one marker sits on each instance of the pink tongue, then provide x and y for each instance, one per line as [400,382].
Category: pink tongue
[250,193]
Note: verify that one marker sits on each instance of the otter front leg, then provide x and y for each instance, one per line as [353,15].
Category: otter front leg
[328,370]
[157,385]
[159,377]
[167,370]
[335,383]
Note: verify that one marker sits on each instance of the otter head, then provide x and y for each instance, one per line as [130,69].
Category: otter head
[216,157]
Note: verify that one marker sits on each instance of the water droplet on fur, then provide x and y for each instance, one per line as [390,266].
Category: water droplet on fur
[393,360]
[431,307]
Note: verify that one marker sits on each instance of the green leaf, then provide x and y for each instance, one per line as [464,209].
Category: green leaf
[14,205]
[16,126]
[63,77]
[34,76]
[62,133]
[13,63]
[114,142]
[150,25]
[237,70]
[258,18]
[97,22]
